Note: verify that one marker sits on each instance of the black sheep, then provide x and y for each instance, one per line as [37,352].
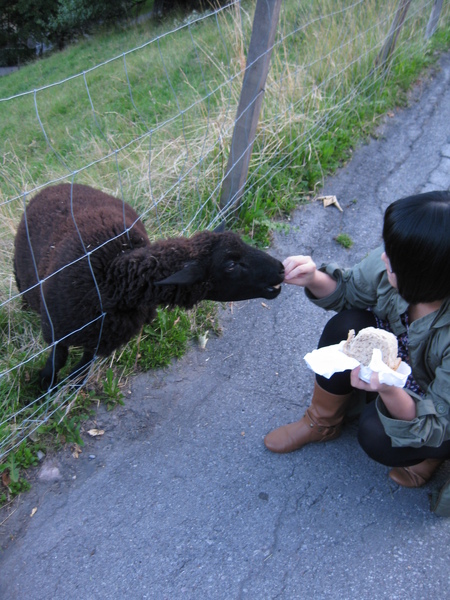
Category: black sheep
[84,262]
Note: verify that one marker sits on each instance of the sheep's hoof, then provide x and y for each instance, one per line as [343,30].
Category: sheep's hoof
[46,383]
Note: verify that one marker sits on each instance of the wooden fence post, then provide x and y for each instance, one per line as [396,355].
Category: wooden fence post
[434,18]
[391,40]
[264,28]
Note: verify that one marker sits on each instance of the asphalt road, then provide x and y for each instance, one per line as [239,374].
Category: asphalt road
[180,499]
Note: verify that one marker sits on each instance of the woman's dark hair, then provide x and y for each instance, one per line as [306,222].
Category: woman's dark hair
[416,235]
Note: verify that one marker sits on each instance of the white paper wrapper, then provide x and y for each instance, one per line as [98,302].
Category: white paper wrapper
[330,359]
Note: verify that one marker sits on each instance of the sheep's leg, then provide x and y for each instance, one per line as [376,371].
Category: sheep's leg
[81,368]
[56,360]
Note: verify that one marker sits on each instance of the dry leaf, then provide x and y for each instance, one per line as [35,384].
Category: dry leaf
[6,479]
[76,451]
[96,432]
[33,512]
[330,200]
[202,340]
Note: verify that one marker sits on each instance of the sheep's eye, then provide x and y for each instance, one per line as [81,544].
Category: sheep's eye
[230,265]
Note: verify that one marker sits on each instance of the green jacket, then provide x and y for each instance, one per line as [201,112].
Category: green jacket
[366,285]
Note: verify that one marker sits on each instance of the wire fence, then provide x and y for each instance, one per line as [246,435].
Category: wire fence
[154,126]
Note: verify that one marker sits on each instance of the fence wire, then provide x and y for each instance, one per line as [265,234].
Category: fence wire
[153,126]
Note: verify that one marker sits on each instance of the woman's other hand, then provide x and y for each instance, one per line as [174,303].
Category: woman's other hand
[398,402]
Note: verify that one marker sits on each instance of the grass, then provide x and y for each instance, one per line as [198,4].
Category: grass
[344,240]
[155,125]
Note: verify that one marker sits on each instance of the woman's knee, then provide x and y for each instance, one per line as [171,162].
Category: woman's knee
[335,331]
[339,325]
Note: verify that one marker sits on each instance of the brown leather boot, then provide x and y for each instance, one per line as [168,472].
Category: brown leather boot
[417,475]
[321,422]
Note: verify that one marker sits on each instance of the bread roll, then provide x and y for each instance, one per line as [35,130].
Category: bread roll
[362,345]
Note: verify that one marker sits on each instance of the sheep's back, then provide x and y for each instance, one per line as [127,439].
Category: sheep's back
[62,224]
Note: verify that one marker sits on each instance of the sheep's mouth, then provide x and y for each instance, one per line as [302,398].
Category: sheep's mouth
[272,291]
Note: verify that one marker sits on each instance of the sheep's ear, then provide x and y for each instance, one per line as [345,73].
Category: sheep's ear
[191,273]
[220,228]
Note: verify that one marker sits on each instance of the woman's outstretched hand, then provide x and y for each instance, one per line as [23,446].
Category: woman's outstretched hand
[301,270]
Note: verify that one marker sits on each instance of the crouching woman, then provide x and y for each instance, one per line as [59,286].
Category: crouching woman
[403,288]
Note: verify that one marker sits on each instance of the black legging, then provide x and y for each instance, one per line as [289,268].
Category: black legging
[371,434]
[378,445]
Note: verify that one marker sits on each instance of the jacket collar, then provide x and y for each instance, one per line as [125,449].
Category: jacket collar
[434,320]
[442,318]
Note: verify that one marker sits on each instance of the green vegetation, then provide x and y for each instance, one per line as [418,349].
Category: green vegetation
[53,22]
[111,389]
[344,240]
[23,458]
[155,125]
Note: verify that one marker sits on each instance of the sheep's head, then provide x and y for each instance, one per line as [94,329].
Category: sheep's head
[230,269]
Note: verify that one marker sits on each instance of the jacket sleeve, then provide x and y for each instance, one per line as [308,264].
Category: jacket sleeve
[431,427]
[357,287]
